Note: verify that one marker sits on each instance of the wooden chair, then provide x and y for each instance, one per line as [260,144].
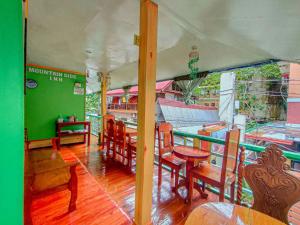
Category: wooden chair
[131,152]
[105,137]
[120,141]
[166,155]
[109,137]
[219,177]
[275,189]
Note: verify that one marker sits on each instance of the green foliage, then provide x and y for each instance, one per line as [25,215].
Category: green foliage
[212,82]
[270,71]
[249,102]
[251,124]
[92,103]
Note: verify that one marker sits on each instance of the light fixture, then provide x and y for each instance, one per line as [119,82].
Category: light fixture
[89,51]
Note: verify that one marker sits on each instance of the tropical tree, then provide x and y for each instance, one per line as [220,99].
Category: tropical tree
[92,103]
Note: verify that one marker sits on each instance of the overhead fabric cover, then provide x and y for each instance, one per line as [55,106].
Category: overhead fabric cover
[96,35]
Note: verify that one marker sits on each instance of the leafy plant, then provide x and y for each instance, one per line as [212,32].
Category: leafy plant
[250,103]
[92,103]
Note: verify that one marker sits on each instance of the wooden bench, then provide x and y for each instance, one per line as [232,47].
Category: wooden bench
[46,172]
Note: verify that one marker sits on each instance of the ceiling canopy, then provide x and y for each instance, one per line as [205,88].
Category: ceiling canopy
[97,35]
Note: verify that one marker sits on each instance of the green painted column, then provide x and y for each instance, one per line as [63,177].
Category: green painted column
[11,112]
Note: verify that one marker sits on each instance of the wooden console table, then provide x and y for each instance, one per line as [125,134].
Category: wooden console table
[86,130]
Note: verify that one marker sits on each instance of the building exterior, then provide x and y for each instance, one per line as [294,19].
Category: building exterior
[170,106]
[293,101]
[123,102]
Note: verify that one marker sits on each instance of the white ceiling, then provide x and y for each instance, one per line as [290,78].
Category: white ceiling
[98,35]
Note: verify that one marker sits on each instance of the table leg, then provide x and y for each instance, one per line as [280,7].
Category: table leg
[89,135]
[186,183]
[84,135]
[58,143]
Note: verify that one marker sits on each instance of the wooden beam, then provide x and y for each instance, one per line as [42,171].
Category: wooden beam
[146,111]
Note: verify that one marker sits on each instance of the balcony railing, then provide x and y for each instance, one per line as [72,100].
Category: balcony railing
[182,138]
[123,106]
[96,123]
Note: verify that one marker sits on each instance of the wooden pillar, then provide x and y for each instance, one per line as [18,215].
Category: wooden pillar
[146,111]
[103,81]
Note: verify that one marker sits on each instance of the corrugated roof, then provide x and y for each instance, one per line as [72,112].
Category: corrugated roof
[181,115]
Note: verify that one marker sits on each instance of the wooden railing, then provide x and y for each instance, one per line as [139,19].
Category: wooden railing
[123,106]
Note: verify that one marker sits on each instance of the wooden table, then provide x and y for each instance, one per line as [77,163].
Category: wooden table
[86,131]
[217,213]
[131,132]
[191,155]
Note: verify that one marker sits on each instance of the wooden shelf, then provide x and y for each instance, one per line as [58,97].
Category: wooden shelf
[60,133]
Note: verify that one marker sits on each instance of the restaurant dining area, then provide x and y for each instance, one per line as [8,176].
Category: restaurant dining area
[102,123]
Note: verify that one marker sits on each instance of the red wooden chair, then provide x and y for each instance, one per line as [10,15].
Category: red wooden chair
[109,136]
[120,140]
[166,155]
[219,177]
[131,153]
[105,137]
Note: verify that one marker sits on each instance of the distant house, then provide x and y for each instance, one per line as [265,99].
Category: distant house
[124,105]
[170,106]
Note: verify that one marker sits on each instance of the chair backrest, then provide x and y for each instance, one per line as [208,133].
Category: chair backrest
[165,138]
[205,145]
[106,118]
[120,133]
[231,150]
[274,189]
[110,128]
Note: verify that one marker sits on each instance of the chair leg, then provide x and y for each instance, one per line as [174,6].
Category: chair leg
[232,192]
[172,173]
[128,154]
[115,146]
[221,196]
[203,186]
[176,178]
[123,155]
[191,188]
[102,141]
[73,187]
[107,147]
[159,174]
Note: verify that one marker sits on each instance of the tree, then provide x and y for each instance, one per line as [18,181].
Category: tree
[92,103]
[251,102]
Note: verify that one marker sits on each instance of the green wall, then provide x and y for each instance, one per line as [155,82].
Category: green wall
[11,113]
[54,95]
